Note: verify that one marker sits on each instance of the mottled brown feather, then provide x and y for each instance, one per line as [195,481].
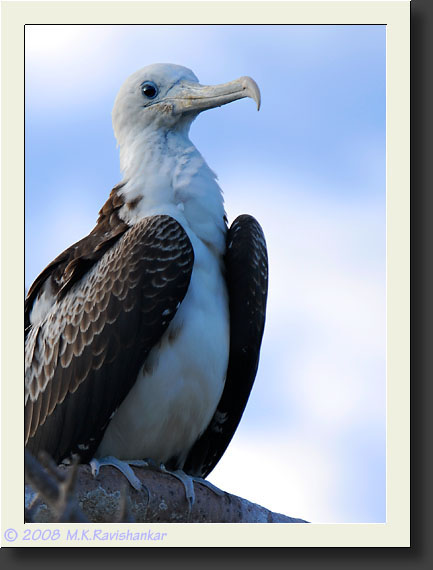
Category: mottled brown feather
[99,332]
[67,268]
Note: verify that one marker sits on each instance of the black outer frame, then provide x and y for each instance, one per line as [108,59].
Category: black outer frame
[420,554]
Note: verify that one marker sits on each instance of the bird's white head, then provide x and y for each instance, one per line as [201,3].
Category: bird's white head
[169,97]
[161,167]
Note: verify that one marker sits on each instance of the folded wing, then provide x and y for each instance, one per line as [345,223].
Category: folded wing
[84,356]
[247,283]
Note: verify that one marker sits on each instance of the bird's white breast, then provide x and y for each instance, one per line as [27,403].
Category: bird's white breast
[179,387]
[181,382]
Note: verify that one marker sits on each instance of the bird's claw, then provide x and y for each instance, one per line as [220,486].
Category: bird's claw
[123,466]
[187,482]
[94,467]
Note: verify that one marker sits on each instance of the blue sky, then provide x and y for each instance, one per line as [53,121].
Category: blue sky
[310,166]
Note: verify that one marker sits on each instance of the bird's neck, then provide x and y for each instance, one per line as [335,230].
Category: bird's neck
[164,173]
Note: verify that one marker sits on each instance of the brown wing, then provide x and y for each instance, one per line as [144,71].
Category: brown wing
[82,360]
[59,276]
[246,264]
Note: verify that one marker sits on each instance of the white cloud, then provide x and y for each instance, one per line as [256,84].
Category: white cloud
[286,474]
[326,315]
[66,64]
[71,65]
[321,376]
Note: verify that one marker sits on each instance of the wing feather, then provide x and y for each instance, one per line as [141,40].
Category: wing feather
[246,264]
[83,358]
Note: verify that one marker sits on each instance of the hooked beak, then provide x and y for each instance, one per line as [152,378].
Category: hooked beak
[193,97]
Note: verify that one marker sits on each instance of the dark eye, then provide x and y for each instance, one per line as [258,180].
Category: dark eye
[149,89]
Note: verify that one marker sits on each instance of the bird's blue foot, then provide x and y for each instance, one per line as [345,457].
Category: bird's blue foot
[188,483]
[123,466]
[186,480]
